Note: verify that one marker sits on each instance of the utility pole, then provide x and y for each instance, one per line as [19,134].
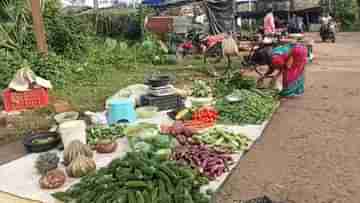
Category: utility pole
[38,26]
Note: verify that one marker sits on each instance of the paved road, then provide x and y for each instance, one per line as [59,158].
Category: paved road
[310,152]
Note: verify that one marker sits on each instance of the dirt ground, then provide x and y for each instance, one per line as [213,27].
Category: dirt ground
[310,151]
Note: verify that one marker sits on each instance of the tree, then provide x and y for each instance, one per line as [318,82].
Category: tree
[347,12]
[38,26]
[358,2]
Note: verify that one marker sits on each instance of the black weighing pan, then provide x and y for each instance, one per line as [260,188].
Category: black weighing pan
[41,147]
[158,80]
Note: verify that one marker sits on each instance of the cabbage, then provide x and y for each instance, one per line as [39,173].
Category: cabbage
[142,147]
[162,141]
[163,154]
[149,134]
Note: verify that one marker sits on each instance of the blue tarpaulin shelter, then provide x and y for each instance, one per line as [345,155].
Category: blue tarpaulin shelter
[153,3]
[162,4]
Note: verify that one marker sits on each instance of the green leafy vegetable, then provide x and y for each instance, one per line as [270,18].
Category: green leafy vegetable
[254,108]
[227,84]
[104,133]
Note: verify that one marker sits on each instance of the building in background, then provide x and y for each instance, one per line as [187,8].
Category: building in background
[281,8]
[101,3]
[309,10]
[245,10]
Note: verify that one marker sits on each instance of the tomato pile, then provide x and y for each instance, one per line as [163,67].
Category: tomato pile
[205,114]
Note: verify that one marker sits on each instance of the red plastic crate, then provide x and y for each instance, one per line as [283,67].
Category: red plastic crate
[15,101]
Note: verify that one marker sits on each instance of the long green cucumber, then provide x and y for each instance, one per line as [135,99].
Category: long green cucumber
[139,197]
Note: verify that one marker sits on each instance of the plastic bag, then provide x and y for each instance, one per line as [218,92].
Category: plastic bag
[230,47]
[72,130]
[25,78]
[133,92]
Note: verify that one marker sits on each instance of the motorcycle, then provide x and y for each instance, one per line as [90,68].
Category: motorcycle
[328,32]
[208,45]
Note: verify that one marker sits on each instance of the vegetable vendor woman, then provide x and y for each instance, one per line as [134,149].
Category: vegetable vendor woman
[290,60]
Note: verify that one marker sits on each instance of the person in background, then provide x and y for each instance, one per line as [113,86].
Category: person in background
[292,22]
[300,24]
[296,24]
[239,22]
[290,61]
[269,23]
[326,19]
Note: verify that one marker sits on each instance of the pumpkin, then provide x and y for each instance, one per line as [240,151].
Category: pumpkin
[75,149]
[52,179]
[106,146]
[81,166]
[46,162]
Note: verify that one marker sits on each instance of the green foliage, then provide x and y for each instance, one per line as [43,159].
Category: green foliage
[76,55]
[65,33]
[15,25]
[347,13]
[7,63]
[53,68]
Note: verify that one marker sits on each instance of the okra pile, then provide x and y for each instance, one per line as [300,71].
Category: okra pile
[138,178]
[254,107]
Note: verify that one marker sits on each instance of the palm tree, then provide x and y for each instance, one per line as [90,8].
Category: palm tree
[15,22]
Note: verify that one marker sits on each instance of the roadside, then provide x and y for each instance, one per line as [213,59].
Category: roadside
[309,152]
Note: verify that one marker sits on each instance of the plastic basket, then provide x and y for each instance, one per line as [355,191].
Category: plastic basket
[15,101]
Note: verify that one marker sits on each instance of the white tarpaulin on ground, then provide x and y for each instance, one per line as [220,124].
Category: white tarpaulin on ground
[20,178]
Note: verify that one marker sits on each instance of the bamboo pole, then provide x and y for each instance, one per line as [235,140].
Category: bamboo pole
[38,26]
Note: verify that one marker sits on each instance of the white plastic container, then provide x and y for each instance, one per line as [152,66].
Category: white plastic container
[72,130]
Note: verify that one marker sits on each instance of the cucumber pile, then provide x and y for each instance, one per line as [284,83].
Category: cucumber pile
[138,178]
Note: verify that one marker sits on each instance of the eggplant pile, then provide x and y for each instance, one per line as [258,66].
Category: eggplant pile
[209,162]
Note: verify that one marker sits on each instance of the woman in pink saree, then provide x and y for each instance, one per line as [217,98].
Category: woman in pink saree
[292,65]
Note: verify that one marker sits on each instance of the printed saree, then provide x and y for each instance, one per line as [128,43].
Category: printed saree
[293,76]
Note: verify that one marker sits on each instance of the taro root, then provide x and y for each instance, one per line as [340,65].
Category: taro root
[106,146]
[52,179]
